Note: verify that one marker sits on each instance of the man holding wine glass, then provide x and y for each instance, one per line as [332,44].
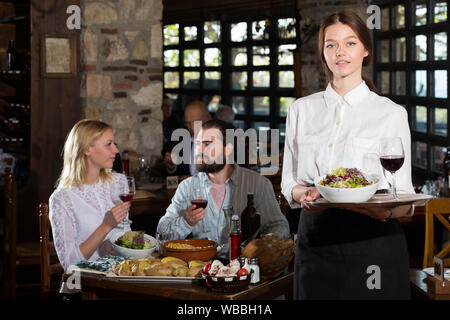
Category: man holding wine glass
[196,207]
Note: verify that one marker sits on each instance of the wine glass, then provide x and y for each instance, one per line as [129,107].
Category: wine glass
[128,196]
[200,199]
[392,156]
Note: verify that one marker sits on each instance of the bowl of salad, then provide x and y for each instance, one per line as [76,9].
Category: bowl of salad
[133,244]
[346,185]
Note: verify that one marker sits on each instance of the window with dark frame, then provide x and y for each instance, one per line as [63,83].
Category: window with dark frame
[411,67]
[245,62]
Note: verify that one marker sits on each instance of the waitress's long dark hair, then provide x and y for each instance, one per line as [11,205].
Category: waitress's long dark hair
[352,20]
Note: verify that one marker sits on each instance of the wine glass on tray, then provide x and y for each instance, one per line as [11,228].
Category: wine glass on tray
[392,157]
[128,196]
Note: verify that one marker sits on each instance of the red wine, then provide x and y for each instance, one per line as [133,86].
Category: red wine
[200,203]
[126,197]
[235,245]
[392,163]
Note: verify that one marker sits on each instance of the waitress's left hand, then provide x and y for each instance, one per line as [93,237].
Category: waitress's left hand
[374,212]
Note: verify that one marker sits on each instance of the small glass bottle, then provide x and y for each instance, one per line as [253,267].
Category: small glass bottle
[254,265]
[235,238]
[11,57]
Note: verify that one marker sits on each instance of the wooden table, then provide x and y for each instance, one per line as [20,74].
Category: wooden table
[419,288]
[99,287]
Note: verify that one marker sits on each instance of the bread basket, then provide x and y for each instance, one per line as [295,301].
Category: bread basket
[229,284]
[274,254]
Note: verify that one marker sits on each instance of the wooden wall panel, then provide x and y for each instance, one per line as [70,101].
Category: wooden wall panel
[55,108]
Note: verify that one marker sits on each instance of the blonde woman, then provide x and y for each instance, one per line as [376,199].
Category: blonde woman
[82,211]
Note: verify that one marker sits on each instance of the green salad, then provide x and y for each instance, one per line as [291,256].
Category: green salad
[134,240]
[345,178]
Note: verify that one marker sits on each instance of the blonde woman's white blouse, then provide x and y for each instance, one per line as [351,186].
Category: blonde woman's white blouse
[76,212]
[325,131]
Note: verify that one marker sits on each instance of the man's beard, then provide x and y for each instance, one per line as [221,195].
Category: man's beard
[211,168]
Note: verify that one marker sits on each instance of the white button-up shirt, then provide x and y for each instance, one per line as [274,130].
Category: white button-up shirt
[325,131]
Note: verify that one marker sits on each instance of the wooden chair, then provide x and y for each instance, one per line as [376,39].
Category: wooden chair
[15,254]
[435,208]
[49,261]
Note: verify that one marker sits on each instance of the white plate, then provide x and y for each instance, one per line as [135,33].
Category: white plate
[378,200]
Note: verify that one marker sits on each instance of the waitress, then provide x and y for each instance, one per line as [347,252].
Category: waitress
[355,253]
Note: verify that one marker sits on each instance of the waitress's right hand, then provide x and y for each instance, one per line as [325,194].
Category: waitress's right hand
[302,195]
[114,216]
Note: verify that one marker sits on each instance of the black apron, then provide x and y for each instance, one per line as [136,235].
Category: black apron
[346,255]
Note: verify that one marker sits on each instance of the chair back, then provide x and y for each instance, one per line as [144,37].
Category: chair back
[435,208]
[9,233]
[47,248]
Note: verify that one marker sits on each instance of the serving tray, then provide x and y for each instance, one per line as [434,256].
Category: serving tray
[378,200]
[151,279]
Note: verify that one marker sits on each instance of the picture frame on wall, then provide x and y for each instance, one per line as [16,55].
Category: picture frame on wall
[58,56]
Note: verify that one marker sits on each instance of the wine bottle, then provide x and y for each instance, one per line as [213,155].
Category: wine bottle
[446,167]
[250,220]
[11,57]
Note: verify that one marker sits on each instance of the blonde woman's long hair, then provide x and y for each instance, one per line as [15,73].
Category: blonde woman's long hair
[83,134]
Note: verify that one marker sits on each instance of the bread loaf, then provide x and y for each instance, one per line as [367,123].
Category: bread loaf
[267,249]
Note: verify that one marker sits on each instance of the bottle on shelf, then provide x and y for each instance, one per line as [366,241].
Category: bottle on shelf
[11,57]
[126,163]
[235,238]
[446,168]
[250,220]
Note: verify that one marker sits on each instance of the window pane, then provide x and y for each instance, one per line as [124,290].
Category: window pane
[385,19]
[440,84]
[212,101]
[400,49]
[262,126]
[212,31]
[421,47]
[191,58]
[285,54]
[261,105]
[170,34]
[286,79]
[191,79]
[440,46]
[440,122]
[190,33]
[285,103]
[239,56]
[239,105]
[261,79]
[213,57]
[384,80]
[239,124]
[400,83]
[171,80]
[239,80]
[286,28]
[421,83]
[212,80]
[186,99]
[399,17]
[282,133]
[420,154]
[239,31]
[171,58]
[384,51]
[261,56]
[421,13]
[440,11]
[260,30]
[437,157]
[421,119]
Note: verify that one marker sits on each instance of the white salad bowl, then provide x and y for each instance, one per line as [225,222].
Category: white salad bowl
[348,195]
[132,253]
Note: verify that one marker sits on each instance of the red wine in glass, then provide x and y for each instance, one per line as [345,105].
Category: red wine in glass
[200,203]
[392,163]
[126,197]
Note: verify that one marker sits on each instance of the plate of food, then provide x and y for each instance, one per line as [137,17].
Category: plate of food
[133,244]
[168,269]
[346,185]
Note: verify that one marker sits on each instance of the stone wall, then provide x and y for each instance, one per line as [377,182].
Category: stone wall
[122,70]
[313,76]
